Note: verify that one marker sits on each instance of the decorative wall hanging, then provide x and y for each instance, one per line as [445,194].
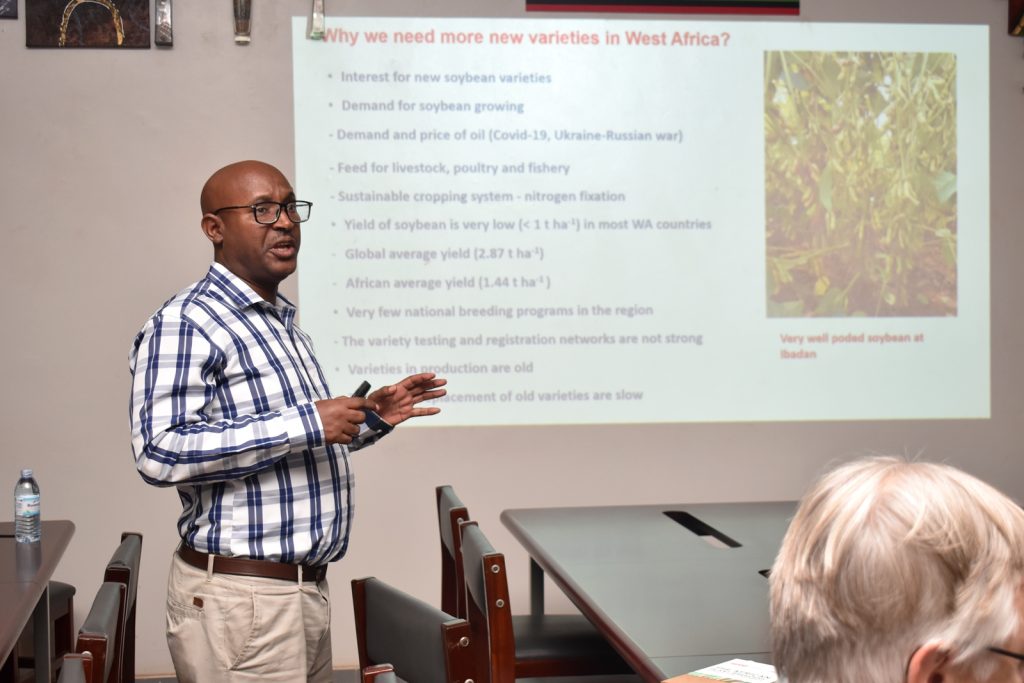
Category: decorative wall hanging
[162,26]
[8,9]
[87,23]
[243,20]
[315,30]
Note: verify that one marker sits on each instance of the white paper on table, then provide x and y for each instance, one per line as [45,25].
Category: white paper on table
[739,670]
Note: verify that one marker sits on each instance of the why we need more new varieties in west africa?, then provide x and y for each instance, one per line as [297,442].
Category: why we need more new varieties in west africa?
[432,36]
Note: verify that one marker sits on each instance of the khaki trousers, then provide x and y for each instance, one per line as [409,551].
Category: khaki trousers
[222,627]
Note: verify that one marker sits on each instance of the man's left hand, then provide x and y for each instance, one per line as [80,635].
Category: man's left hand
[396,403]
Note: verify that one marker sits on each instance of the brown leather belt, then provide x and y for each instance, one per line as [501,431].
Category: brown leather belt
[241,566]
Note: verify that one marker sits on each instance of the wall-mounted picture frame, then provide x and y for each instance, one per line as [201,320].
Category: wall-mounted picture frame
[87,23]
[8,9]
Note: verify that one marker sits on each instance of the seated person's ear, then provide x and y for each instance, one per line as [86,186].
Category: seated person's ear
[930,663]
[927,664]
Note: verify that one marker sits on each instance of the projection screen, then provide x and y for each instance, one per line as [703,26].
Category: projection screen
[585,221]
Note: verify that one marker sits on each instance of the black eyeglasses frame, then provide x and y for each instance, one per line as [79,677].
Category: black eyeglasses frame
[290,207]
[1007,653]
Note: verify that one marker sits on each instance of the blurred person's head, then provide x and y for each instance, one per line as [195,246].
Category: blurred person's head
[896,571]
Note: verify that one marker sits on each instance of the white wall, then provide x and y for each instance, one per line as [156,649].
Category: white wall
[104,154]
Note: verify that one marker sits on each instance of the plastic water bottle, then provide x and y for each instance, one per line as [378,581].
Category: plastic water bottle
[26,509]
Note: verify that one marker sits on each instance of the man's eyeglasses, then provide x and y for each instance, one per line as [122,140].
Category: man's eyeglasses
[267,213]
[1007,653]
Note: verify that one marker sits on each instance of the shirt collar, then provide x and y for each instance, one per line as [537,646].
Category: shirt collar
[239,293]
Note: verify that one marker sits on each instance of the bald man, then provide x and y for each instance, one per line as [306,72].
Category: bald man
[230,406]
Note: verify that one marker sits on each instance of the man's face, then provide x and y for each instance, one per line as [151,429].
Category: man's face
[262,255]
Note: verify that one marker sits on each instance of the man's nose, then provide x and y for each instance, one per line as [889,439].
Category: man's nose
[284,221]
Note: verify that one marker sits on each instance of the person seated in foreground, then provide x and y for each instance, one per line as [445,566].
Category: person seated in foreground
[896,571]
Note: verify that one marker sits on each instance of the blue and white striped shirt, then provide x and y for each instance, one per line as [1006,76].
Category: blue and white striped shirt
[222,406]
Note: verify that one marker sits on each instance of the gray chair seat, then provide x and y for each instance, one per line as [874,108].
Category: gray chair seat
[568,639]
[62,627]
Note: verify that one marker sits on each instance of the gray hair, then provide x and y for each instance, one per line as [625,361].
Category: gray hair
[885,555]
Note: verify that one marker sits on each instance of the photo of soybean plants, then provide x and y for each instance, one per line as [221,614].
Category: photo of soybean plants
[860,184]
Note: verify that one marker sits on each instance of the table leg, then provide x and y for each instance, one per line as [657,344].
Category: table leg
[41,638]
[536,588]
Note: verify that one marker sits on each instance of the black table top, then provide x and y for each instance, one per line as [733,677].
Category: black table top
[25,570]
[668,599]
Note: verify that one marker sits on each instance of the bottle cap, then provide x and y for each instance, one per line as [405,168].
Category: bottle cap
[26,474]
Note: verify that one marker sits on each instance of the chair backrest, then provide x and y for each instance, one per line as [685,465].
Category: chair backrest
[123,568]
[379,673]
[99,632]
[450,514]
[489,613]
[76,668]
[422,643]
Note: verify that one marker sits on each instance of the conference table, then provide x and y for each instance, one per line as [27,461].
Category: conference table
[674,588]
[25,571]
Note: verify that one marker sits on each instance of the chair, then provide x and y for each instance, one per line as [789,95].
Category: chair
[421,643]
[528,646]
[76,668]
[108,633]
[123,568]
[100,630]
[62,615]
[542,644]
[62,627]
[451,512]
[379,673]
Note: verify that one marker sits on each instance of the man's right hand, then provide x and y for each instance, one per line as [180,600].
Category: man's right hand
[342,417]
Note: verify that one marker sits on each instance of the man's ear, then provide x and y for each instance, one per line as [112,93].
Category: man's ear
[929,664]
[213,228]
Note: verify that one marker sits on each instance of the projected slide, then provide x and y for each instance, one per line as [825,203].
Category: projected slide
[589,221]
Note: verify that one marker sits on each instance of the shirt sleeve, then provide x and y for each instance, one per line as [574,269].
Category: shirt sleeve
[174,377]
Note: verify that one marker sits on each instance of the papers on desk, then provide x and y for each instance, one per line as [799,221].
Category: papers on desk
[733,671]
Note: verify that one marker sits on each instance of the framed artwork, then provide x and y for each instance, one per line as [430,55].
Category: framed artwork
[8,9]
[668,6]
[87,23]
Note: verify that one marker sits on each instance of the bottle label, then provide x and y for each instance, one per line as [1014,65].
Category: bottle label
[26,506]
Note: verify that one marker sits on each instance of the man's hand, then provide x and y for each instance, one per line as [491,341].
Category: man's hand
[396,403]
[342,417]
